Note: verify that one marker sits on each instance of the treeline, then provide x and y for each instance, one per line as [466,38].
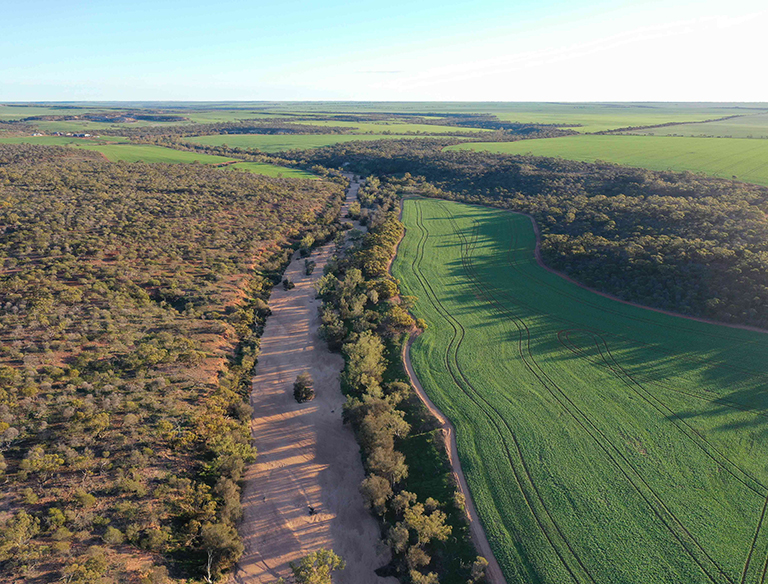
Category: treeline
[132,298]
[675,241]
[409,484]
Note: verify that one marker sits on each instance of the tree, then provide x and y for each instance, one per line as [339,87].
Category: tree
[303,390]
[376,492]
[366,361]
[316,568]
[223,547]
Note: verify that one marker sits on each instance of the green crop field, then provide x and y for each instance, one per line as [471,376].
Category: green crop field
[272,170]
[747,160]
[392,127]
[280,143]
[755,126]
[602,442]
[117,148]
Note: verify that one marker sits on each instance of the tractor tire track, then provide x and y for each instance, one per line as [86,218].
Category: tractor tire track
[474,395]
[667,517]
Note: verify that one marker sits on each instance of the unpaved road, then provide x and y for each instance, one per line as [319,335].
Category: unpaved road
[306,457]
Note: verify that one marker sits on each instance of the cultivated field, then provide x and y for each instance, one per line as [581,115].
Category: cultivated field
[280,143]
[602,442]
[122,151]
[755,126]
[747,160]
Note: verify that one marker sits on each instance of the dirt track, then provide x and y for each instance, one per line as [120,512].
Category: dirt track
[307,458]
[493,572]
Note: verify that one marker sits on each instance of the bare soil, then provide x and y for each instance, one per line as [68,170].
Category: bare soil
[302,493]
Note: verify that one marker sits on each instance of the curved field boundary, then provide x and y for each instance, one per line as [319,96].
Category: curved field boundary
[495,417]
[691,546]
[500,304]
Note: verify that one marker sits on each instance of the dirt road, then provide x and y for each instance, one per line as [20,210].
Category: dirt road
[302,494]
[493,572]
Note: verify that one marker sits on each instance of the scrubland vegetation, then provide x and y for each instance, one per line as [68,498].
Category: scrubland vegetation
[132,299]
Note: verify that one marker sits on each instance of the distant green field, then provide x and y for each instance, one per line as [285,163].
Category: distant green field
[274,143]
[390,126]
[592,117]
[602,442]
[59,140]
[743,127]
[272,170]
[747,160]
[148,153]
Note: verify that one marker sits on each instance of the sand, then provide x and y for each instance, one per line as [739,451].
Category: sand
[307,458]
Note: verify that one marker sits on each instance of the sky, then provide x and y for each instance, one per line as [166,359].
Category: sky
[401,50]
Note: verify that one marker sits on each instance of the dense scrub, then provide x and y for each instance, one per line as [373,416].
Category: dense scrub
[409,484]
[131,301]
[676,241]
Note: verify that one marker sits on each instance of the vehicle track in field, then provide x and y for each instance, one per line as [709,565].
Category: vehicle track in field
[625,377]
[752,547]
[571,346]
[474,395]
[724,337]
[667,517]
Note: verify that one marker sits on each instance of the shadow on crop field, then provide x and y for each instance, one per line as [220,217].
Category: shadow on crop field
[494,281]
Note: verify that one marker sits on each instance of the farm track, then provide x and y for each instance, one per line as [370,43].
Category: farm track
[474,395]
[697,553]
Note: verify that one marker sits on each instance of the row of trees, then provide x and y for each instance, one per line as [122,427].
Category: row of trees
[364,317]
[132,298]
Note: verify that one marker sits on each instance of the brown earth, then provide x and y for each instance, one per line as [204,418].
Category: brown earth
[307,460]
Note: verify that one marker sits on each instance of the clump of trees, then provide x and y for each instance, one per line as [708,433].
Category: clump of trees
[132,297]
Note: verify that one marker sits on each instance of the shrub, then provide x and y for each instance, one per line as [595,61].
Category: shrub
[288,285]
[303,390]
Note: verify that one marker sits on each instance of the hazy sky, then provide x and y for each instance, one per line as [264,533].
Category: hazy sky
[495,50]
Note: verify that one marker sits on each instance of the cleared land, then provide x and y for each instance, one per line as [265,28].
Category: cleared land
[280,143]
[742,127]
[123,151]
[747,160]
[602,442]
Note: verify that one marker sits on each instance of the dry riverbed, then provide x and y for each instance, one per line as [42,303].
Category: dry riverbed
[302,494]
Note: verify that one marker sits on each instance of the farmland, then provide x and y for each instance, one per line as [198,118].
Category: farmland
[115,149]
[602,442]
[747,160]
[755,126]
[280,143]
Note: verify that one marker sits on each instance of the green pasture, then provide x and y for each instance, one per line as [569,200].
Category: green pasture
[747,160]
[755,126]
[603,443]
[280,143]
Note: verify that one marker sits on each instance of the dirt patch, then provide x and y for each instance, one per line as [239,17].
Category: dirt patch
[302,493]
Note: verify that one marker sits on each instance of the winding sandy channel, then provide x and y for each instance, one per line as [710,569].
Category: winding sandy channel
[306,457]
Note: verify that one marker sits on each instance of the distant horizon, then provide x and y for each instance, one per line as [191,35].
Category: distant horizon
[364,101]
